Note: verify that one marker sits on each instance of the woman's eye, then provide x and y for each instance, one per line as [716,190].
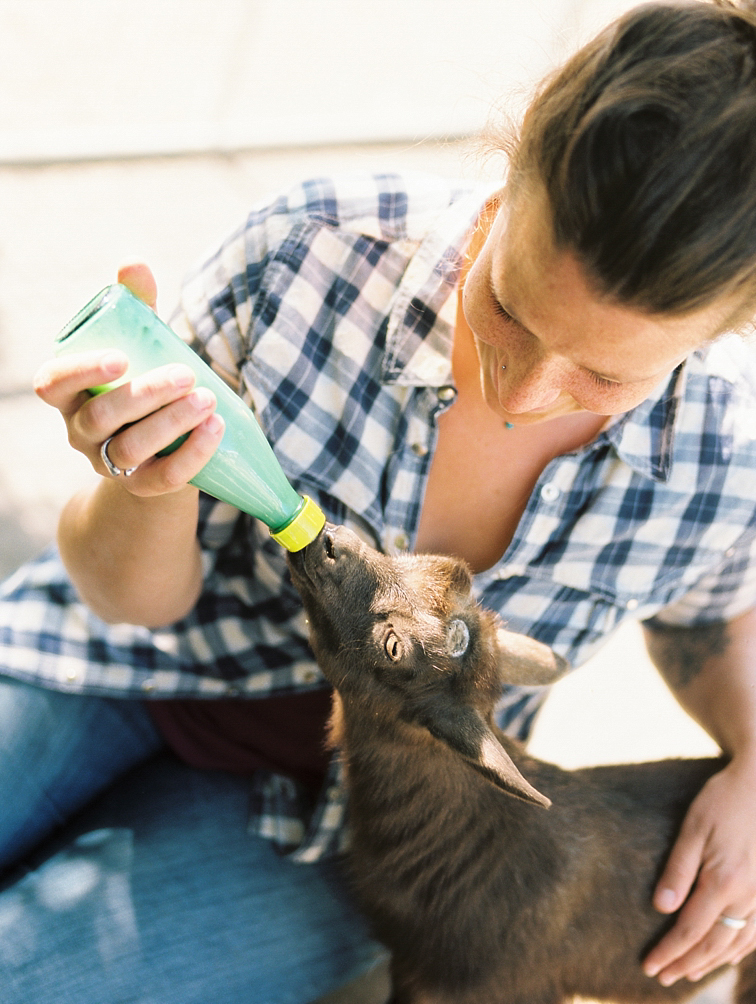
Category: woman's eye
[393,646]
[502,312]
[602,381]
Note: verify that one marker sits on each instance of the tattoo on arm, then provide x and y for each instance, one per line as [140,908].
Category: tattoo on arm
[680,653]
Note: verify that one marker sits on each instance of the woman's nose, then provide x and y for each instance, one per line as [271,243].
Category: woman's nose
[530,385]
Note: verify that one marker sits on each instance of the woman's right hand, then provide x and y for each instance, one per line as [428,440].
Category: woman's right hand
[144,525]
[140,417]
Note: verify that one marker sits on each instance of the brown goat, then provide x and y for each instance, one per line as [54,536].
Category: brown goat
[481,897]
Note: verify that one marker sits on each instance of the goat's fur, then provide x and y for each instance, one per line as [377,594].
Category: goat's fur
[480,896]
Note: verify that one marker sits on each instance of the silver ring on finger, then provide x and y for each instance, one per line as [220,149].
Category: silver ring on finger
[114,471]
[736,923]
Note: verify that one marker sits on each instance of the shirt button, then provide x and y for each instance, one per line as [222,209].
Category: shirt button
[447,393]
[310,676]
[401,542]
[632,604]
[550,492]
[419,449]
[71,675]
[730,552]
[148,685]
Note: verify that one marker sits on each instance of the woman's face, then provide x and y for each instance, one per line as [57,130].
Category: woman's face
[548,343]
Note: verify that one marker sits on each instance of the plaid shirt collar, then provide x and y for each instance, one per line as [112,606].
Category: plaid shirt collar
[421,322]
[644,437]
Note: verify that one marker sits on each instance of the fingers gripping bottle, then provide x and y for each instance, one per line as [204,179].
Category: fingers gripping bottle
[243,470]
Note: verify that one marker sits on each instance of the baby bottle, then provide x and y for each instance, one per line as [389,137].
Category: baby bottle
[243,470]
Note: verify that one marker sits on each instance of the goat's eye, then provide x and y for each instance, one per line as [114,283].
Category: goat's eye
[393,646]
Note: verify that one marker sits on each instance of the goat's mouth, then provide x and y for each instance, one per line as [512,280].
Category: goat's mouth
[305,565]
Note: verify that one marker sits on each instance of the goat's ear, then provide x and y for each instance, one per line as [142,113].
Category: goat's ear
[526,662]
[466,732]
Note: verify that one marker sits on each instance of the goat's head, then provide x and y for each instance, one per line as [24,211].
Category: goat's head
[403,636]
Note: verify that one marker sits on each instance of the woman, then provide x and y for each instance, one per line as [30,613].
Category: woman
[533,379]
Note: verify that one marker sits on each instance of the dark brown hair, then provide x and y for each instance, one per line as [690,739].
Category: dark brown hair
[646,143]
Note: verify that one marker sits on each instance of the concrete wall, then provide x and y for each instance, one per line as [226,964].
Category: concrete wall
[92,78]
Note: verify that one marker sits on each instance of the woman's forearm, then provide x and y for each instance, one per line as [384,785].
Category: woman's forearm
[711,670]
[133,559]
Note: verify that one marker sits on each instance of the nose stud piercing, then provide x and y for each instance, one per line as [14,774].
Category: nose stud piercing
[503,367]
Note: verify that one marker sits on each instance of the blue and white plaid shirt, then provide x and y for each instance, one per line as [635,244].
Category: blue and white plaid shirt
[332,311]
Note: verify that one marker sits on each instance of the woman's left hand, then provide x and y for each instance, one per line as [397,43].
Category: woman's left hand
[711,873]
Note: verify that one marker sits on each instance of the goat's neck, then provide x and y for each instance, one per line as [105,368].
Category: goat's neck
[395,765]
[416,810]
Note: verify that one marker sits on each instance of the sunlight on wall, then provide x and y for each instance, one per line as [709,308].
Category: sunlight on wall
[90,79]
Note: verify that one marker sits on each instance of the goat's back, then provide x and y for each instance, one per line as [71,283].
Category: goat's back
[483,897]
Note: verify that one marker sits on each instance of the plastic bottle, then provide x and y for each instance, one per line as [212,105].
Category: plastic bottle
[243,470]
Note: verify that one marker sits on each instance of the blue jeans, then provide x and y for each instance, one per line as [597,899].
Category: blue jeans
[138,882]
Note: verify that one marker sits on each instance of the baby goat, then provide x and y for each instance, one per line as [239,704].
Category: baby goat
[480,896]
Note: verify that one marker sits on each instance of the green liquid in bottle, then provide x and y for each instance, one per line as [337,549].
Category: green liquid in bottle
[243,470]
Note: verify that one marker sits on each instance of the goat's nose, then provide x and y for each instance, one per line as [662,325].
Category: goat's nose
[328,543]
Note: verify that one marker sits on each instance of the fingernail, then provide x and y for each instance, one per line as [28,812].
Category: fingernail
[181,376]
[666,899]
[651,970]
[202,398]
[214,424]
[667,980]
[695,977]
[113,362]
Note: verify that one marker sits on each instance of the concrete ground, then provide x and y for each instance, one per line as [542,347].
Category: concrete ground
[65,231]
